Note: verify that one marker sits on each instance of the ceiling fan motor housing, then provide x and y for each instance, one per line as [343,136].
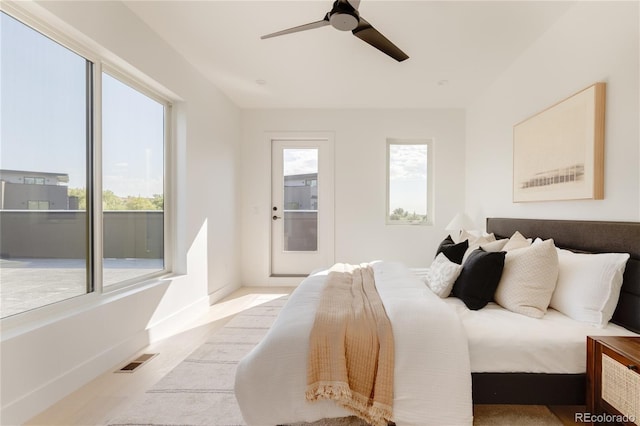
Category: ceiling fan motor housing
[343,16]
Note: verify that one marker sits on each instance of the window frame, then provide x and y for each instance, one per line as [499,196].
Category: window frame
[100,60]
[430,185]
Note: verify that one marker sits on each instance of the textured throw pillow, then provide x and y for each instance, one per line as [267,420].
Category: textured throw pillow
[528,279]
[441,275]
[453,251]
[479,278]
[589,285]
[517,241]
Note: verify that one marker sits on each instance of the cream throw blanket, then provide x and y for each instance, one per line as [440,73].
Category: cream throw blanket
[351,352]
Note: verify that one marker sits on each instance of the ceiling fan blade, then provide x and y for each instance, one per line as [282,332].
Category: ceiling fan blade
[367,33]
[324,22]
[354,3]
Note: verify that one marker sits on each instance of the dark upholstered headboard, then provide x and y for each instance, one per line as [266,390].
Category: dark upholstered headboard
[594,237]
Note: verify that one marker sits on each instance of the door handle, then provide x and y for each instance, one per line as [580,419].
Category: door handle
[275,217]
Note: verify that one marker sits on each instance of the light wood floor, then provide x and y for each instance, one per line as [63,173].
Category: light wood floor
[101,399]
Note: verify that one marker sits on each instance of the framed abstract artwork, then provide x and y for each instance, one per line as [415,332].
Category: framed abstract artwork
[558,154]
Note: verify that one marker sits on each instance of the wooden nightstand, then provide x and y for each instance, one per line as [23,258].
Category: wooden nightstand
[613,377]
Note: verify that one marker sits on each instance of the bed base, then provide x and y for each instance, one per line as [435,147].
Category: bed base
[587,236]
[528,388]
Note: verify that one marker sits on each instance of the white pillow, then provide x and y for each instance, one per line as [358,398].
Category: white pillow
[589,285]
[528,279]
[495,246]
[475,243]
[517,241]
[441,275]
[475,238]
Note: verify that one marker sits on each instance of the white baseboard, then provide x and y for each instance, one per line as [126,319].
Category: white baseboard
[174,323]
[221,293]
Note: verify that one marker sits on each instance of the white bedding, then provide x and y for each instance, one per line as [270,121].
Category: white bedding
[501,341]
[432,384]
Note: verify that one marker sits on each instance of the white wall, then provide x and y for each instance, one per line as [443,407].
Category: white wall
[67,345]
[593,41]
[360,181]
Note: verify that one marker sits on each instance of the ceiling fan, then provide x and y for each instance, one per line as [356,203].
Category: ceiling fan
[344,16]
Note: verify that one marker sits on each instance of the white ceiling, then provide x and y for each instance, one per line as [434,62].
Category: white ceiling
[456,49]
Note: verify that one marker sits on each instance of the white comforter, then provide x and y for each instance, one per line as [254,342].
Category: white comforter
[432,384]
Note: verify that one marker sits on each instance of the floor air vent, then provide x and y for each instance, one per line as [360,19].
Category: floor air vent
[136,363]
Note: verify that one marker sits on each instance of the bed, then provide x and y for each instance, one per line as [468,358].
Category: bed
[270,381]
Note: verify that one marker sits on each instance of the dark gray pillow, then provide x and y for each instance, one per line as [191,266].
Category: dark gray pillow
[454,252]
[479,278]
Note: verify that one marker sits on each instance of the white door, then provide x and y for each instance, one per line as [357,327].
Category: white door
[302,205]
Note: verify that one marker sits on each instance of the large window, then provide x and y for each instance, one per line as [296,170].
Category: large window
[408,182]
[49,152]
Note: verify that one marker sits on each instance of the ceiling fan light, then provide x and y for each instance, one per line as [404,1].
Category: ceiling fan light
[343,21]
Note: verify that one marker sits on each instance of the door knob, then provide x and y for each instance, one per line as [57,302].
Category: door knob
[274,217]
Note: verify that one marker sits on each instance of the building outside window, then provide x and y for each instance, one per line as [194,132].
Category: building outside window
[38,205]
[34,180]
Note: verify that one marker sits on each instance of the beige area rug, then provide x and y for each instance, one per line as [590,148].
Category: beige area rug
[199,391]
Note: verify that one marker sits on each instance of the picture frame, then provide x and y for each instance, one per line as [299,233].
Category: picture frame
[558,154]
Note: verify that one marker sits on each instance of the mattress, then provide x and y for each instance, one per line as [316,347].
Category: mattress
[501,341]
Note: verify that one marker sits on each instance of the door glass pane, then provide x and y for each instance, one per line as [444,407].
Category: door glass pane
[43,163]
[300,171]
[133,182]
